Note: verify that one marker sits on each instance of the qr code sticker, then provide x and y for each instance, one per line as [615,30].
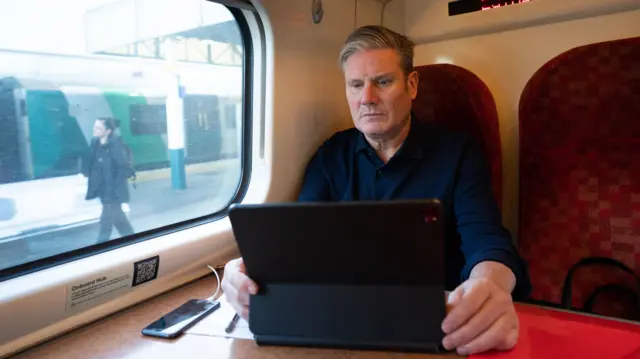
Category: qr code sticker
[145,270]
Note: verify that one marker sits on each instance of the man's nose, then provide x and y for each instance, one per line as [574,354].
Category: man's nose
[369,95]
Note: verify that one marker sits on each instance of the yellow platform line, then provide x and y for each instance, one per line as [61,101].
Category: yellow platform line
[164,173]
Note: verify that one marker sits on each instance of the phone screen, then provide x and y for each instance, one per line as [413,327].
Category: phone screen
[181,318]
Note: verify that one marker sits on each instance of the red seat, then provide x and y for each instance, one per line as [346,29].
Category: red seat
[456,98]
[580,169]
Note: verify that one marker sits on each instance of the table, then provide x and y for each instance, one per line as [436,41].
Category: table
[545,333]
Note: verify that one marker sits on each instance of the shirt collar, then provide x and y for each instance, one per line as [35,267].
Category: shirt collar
[411,147]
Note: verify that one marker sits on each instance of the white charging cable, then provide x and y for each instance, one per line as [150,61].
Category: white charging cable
[214,296]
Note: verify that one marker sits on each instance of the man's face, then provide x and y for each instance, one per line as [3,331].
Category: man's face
[100,130]
[379,94]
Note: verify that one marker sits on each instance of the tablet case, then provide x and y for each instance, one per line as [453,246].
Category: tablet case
[361,275]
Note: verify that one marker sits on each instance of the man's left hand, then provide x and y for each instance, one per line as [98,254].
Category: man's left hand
[481,316]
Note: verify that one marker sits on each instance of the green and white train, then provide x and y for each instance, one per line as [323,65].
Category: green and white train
[45,132]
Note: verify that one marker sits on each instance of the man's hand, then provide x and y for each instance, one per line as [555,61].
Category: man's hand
[481,316]
[237,286]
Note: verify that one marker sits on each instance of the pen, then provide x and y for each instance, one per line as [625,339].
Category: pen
[232,323]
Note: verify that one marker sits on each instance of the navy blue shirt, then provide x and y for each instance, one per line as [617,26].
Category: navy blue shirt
[433,162]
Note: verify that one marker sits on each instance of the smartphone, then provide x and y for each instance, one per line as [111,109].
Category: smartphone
[180,319]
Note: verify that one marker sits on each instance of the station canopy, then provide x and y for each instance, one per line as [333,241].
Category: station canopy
[201,31]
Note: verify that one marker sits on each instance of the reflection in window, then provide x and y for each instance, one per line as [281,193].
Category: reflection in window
[104,125]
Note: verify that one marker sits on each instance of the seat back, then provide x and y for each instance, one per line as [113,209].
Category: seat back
[455,97]
[579,128]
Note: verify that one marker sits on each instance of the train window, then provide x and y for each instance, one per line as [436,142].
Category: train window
[115,123]
[147,119]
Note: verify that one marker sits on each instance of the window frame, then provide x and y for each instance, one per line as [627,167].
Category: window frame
[246,149]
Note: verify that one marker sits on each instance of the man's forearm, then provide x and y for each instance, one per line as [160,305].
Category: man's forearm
[496,272]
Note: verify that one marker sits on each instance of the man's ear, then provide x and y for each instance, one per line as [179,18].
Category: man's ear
[412,84]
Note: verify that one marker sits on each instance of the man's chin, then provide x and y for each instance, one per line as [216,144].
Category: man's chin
[373,130]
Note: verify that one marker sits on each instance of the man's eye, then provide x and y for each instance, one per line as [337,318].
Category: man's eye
[384,82]
[356,86]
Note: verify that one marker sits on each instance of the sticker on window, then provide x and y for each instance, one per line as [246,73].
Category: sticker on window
[91,291]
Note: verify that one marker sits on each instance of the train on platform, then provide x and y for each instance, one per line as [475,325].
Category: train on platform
[46,126]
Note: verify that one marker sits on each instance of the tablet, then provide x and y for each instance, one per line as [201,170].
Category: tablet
[362,275]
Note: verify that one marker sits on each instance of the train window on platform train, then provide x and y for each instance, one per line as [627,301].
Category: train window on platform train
[118,119]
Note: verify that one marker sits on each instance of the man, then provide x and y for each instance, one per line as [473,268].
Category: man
[107,170]
[390,155]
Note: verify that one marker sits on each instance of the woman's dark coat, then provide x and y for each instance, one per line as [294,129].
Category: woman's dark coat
[107,169]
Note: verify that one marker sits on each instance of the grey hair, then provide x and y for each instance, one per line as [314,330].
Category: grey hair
[372,37]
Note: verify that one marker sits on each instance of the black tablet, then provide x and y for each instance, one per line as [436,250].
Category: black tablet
[362,275]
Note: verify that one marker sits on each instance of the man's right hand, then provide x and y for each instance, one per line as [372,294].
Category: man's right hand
[237,286]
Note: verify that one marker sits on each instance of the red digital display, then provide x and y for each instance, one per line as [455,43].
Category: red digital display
[466,6]
[492,4]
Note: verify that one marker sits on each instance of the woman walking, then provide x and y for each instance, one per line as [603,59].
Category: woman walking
[108,169]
